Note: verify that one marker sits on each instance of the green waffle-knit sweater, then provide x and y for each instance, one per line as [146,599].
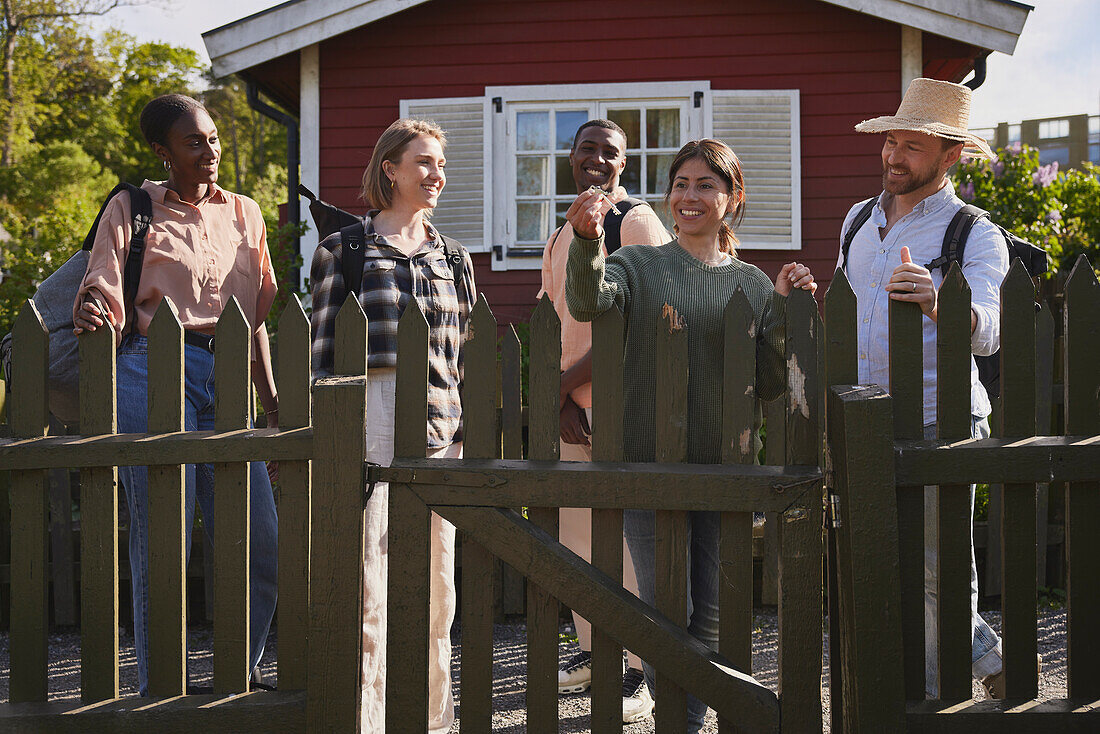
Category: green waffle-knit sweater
[641,281]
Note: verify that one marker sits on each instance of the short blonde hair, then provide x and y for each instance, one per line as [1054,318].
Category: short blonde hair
[376,190]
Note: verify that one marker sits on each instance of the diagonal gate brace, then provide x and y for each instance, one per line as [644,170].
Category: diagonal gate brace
[634,624]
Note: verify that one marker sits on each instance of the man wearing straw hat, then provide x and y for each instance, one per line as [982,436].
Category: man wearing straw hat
[884,240]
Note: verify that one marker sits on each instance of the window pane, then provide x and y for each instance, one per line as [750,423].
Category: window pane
[531,175]
[559,218]
[566,124]
[532,130]
[631,123]
[564,176]
[532,220]
[656,175]
[631,179]
[662,128]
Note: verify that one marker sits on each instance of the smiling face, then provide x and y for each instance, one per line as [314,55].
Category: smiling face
[598,158]
[915,163]
[700,199]
[193,149]
[418,176]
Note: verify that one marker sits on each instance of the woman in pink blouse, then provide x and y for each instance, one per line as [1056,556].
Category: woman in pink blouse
[204,246]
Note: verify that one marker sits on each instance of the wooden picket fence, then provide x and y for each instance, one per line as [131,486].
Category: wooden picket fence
[882,464]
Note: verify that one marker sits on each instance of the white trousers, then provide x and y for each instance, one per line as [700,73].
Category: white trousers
[575,533]
[441,709]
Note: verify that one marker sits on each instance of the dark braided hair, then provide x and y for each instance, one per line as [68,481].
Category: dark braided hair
[160,113]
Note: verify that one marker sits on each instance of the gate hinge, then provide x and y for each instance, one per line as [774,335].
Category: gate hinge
[834,509]
[370,478]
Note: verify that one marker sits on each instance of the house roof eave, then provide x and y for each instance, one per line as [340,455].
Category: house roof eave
[990,24]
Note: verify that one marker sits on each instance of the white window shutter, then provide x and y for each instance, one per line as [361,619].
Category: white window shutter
[460,213]
[762,127]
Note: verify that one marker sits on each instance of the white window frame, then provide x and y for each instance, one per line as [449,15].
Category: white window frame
[500,195]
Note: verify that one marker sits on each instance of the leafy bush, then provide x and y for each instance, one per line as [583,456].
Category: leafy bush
[1057,210]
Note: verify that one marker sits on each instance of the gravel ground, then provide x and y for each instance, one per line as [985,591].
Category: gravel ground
[509,668]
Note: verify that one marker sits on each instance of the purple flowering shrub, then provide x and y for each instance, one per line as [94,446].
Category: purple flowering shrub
[1057,210]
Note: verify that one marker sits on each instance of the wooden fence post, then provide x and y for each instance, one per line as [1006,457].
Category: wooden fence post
[800,528]
[543,432]
[1044,398]
[232,503]
[98,525]
[336,566]
[62,556]
[409,550]
[671,526]
[955,626]
[294,501]
[512,583]
[167,534]
[841,366]
[29,419]
[1017,518]
[607,524]
[907,390]
[1082,386]
[861,444]
[482,441]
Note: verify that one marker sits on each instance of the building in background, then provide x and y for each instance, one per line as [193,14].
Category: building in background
[1068,140]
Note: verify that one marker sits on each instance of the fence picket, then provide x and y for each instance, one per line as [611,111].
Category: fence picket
[1019,645]
[543,432]
[294,501]
[350,348]
[671,526]
[954,510]
[512,586]
[1082,418]
[739,406]
[1044,398]
[775,454]
[232,397]
[29,418]
[167,555]
[99,524]
[607,524]
[336,556]
[482,441]
[409,549]
[800,528]
[906,389]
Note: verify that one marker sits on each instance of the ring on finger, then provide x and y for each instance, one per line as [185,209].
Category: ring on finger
[914,284]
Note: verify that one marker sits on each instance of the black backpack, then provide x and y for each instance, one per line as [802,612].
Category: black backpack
[954,245]
[329,219]
[55,296]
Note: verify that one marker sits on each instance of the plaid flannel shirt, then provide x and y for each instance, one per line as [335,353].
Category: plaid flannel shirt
[390,279]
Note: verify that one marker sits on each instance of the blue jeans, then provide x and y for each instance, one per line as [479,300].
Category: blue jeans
[132,378]
[704,529]
[986,651]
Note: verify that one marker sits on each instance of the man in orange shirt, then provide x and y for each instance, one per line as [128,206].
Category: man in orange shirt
[598,158]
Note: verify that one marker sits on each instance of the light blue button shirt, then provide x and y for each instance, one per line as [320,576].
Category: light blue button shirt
[872,260]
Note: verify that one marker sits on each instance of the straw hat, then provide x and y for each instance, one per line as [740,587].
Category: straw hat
[935,108]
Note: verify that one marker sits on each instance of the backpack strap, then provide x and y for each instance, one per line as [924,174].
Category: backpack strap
[452,250]
[613,224]
[954,239]
[857,224]
[141,216]
[352,242]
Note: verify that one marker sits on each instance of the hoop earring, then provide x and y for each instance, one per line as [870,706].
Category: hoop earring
[167,165]
[391,184]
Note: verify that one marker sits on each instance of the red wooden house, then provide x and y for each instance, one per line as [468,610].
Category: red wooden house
[782,81]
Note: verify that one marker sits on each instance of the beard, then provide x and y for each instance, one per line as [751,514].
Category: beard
[916,180]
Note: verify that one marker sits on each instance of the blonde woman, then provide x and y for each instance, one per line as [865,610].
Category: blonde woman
[404,257]
[695,275]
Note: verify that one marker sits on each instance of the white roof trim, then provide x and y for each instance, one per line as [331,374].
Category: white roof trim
[291,27]
[283,29]
[992,24]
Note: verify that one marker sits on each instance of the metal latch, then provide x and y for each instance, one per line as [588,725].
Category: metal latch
[834,509]
[370,478]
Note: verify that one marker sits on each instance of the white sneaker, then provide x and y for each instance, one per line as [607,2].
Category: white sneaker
[575,676]
[637,703]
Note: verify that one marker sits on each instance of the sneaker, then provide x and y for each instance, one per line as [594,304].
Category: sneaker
[637,703]
[994,685]
[575,676]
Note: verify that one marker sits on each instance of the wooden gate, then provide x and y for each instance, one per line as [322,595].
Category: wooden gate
[882,464]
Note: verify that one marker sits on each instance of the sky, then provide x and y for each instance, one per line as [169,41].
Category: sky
[1054,71]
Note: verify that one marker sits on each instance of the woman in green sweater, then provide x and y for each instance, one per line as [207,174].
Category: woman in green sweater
[694,276]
